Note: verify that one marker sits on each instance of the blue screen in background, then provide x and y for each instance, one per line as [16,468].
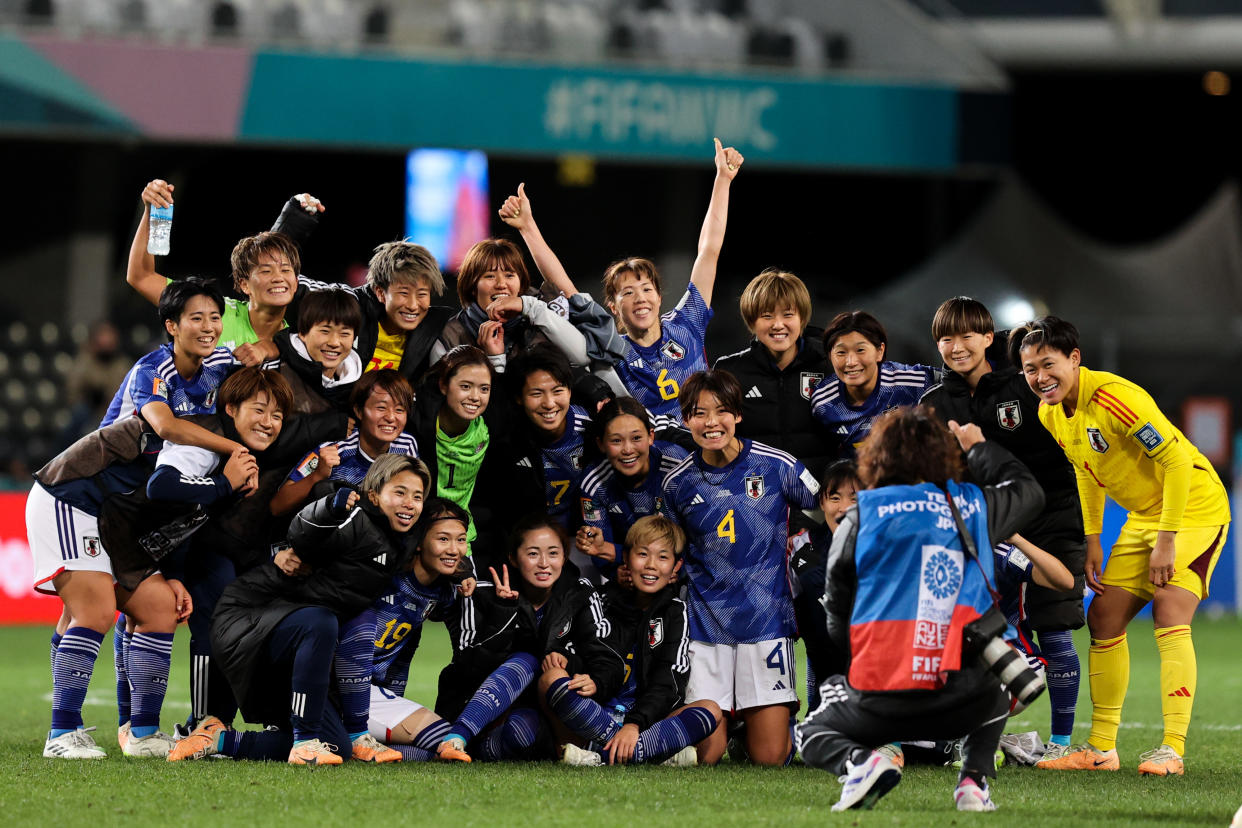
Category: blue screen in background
[446,203]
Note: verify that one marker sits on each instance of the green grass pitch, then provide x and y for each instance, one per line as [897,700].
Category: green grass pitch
[116,791]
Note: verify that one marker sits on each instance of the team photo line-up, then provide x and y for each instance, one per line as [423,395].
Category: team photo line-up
[622,539]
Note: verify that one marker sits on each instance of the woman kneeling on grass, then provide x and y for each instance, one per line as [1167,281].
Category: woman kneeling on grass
[275,635]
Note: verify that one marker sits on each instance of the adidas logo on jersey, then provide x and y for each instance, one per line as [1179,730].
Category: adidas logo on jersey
[524,462]
[842,430]
[697,499]
[381,558]
[753,393]
[638,363]
[780,685]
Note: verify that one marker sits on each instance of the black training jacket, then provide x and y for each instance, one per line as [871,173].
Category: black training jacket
[657,643]
[1006,410]
[776,404]
[487,630]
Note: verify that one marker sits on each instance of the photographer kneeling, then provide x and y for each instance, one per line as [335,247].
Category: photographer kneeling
[903,583]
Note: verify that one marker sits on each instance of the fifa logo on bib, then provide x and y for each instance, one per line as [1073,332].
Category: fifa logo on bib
[940,579]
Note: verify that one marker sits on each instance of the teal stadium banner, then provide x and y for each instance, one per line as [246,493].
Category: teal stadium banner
[222,93]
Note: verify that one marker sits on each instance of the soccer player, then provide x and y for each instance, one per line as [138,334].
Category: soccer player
[663,351]
[627,484]
[732,497]
[319,360]
[838,491]
[1001,403]
[265,271]
[864,384]
[275,636]
[1121,444]
[400,326]
[449,416]
[647,721]
[499,314]
[550,449]
[506,636]
[379,402]
[781,369]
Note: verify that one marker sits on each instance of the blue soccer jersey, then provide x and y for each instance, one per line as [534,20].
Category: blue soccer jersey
[355,463]
[654,374]
[563,467]
[896,386]
[611,506]
[399,619]
[737,521]
[154,378]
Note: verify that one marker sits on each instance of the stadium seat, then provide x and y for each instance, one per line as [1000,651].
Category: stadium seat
[15,392]
[31,364]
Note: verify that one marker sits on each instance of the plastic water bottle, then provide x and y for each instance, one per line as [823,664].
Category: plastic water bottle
[161,230]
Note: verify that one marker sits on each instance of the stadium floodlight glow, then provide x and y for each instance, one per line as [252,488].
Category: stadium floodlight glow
[1014,311]
[446,202]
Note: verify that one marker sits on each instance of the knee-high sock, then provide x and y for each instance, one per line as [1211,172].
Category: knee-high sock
[667,736]
[1109,673]
[353,665]
[580,714]
[147,661]
[495,695]
[1178,677]
[515,738]
[71,675]
[120,654]
[1063,676]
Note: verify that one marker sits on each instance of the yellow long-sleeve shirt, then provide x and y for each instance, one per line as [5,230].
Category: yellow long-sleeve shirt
[1121,444]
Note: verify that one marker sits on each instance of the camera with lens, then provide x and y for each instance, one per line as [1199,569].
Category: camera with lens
[985,638]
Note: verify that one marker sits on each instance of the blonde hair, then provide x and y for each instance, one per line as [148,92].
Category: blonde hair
[388,466]
[773,289]
[653,528]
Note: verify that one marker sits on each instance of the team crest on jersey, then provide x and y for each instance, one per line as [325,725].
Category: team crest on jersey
[672,350]
[655,632]
[92,547]
[754,486]
[576,459]
[210,399]
[590,512]
[564,631]
[1009,415]
[159,388]
[1097,441]
[659,506]
[808,383]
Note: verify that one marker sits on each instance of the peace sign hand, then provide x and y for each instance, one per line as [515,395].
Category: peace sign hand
[503,590]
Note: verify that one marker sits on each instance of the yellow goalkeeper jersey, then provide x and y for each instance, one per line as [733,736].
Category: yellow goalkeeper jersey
[1121,444]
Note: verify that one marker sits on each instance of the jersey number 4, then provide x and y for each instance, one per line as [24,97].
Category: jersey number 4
[726,528]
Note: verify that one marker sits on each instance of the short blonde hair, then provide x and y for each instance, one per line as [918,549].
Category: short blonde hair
[653,528]
[388,466]
[773,289]
[406,263]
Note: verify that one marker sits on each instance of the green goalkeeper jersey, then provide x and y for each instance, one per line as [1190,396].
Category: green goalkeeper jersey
[457,465]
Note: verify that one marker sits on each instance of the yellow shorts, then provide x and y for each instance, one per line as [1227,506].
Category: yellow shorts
[1197,553]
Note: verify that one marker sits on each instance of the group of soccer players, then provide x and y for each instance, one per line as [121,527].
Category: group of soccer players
[623,540]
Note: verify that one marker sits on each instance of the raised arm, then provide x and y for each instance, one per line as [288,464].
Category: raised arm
[711,237]
[140,273]
[172,428]
[516,213]
[1047,570]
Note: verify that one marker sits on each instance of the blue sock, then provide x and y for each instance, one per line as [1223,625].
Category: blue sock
[1063,675]
[515,737]
[270,745]
[495,696]
[148,659]
[409,753]
[666,737]
[71,675]
[430,737]
[120,645]
[352,666]
[582,715]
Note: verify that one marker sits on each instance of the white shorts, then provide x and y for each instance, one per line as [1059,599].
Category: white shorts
[741,676]
[387,711]
[61,538]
